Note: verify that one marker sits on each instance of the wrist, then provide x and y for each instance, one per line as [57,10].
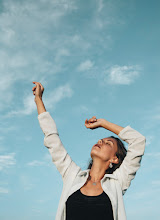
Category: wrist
[104,123]
[38,98]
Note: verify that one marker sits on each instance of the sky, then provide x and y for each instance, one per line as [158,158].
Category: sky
[94,58]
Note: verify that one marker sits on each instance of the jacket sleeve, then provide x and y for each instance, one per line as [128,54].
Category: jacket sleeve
[131,163]
[60,157]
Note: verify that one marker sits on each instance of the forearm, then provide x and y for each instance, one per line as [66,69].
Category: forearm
[40,105]
[111,127]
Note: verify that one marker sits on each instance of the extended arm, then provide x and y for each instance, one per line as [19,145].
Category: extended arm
[93,123]
[60,157]
[131,163]
[111,126]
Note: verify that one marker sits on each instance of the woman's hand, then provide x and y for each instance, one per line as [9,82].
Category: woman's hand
[93,123]
[38,90]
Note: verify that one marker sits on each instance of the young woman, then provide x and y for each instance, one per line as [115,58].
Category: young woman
[97,192]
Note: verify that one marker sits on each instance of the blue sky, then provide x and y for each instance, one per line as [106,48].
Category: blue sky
[94,58]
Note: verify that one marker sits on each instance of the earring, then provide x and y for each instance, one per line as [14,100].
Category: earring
[110,165]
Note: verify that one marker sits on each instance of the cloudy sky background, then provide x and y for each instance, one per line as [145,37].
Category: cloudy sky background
[94,58]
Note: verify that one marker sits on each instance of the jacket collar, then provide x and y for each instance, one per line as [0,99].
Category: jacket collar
[85,172]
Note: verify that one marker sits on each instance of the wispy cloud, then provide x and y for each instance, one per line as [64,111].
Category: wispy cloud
[45,161]
[37,163]
[149,139]
[31,49]
[122,75]
[26,182]
[62,52]
[55,96]
[156,183]
[27,44]
[80,109]
[144,194]
[7,161]
[153,155]
[4,190]
[86,65]
[100,5]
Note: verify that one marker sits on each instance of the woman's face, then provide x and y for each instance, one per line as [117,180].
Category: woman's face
[105,149]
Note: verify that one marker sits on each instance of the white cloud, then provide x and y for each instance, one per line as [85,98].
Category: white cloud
[108,13]
[1,138]
[47,157]
[28,46]
[29,107]
[57,95]
[36,163]
[80,42]
[123,75]
[80,109]
[149,139]
[84,66]
[143,194]
[32,47]
[100,5]
[6,128]
[4,190]
[45,161]
[156,182]
[50,102]
[7,161]
[61,53]
[40,201]
[153,155]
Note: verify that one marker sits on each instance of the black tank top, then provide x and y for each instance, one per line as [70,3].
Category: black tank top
[80,206]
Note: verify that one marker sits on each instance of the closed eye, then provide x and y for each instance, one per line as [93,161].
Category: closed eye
[108,141]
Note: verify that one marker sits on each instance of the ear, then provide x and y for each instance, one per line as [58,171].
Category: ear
[115,160]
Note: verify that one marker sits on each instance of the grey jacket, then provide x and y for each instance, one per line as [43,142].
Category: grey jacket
[114,185]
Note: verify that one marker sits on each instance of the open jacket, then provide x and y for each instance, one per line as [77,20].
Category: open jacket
[114,185]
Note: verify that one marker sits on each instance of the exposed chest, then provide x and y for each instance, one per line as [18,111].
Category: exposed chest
[91,190]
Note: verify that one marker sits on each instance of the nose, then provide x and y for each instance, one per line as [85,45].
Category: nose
[100,141]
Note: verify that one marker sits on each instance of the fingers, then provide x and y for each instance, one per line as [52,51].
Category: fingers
[86,123]
[36,89]
[92,120]
[89,123]
[38,84]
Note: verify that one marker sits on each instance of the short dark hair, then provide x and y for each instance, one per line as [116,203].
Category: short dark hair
[121,153]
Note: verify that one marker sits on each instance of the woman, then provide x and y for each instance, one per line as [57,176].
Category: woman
[95,193]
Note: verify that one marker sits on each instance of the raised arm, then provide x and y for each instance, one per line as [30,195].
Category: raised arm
[96,123]
[131,163]
[60,157]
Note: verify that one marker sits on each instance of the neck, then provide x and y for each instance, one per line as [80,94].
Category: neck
[97,172]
